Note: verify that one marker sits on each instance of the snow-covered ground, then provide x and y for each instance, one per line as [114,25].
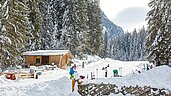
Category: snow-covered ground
[57,82]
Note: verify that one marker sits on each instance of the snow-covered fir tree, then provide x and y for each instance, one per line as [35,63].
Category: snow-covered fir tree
[134,46]
[94,39]
[141,43]
[47,25]
[12,31]
[34,25]
[159,35]
[71,25]
[71,32]
[50,24]
[75,26]
[104,45]
[129,46]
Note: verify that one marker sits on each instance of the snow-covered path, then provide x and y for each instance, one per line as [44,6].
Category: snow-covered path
[57,82]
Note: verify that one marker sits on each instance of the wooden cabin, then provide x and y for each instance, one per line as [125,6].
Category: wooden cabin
[60,58]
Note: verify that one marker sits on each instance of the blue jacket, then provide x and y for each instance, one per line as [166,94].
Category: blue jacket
[71,71]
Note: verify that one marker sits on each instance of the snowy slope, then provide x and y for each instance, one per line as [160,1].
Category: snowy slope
[127,67]
[112,29]
[57,82]
[159,77]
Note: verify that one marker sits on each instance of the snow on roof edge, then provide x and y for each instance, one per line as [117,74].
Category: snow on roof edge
[46,52]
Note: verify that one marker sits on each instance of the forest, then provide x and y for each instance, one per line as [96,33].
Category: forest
[76,25]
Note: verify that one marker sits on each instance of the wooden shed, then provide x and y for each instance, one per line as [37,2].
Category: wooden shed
[60,58]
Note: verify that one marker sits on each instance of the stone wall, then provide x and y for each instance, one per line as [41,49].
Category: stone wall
[107,89]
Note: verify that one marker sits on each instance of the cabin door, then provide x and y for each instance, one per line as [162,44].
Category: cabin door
[45,60]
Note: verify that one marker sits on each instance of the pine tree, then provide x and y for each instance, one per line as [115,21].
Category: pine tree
[159,36]
[34,25]
[58,9]
[12,31]
[105,43]
[75,26]
[84,27]
[47,26]
[71,32]
[94,21]
[135,44]
[141,41]
[129,46]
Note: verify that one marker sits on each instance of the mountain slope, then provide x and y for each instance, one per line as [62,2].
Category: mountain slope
[109,27]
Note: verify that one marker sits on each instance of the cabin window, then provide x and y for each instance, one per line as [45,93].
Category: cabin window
[37,60]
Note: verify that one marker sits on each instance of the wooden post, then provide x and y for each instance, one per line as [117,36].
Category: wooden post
[120,72]
[73,84]
[60,62]
[97,73]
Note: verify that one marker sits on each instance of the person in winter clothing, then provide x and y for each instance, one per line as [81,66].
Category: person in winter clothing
[105,72]
[71,72]
[105,68]
[83,65]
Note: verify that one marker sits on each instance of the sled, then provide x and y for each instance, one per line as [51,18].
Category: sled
[82,77]
[25,75]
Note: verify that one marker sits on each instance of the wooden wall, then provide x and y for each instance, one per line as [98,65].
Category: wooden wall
[54,59]
[31,60]
[59,60]
[65,60]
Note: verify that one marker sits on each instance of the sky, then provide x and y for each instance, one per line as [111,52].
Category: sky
[128,14]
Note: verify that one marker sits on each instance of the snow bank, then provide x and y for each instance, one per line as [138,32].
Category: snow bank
[159,77]
[57,83]
[3,80]
[60,87]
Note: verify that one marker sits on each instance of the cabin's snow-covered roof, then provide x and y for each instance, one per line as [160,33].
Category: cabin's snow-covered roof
[46,52]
